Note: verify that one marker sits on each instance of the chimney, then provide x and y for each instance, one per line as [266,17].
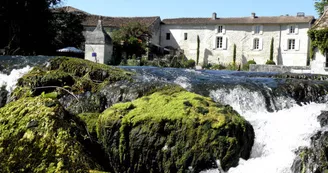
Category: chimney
[300,14]
[325,7]
[253,15]
[214,16]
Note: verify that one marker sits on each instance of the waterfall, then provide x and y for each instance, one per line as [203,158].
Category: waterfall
[278,134]
[10,80]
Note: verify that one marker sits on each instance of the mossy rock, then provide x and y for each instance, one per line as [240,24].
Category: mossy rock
[37,135]
[173,131]
[68,74]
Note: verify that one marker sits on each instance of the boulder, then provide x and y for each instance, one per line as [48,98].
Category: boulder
[3,96]
[173,131]
[37,135]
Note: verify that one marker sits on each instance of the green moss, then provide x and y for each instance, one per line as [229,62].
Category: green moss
[176,128]
[75,75]
[90,120]
[38,136]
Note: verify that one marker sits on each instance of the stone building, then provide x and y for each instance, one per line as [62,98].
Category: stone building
[319,63]
[252,36]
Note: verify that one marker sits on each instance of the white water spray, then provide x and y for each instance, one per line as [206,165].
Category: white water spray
[278,134]
[10,80]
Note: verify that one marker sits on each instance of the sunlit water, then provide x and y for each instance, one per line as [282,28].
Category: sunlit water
[278,134]
[10,80]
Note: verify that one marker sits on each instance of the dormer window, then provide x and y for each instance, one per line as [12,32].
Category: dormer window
[220,29]
[292,29]
[257,29]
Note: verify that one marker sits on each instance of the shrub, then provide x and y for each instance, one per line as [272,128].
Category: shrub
[218,67]
[246,66]
[133,62]
[189,63]
[270,62]
[232,66]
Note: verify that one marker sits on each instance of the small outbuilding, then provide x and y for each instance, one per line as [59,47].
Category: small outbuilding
[98,45]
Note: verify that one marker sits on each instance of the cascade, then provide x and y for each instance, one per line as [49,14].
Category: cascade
[281,124]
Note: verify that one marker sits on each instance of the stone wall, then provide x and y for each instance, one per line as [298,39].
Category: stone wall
[279,68]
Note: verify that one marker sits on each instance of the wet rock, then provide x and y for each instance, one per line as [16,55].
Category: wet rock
[315,158]
[3,96]
[34,138]
[173,130]
[323,118]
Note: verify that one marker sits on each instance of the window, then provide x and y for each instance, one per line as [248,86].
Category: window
[257,29]
[168,36]
[219,42]
[292,29]
[185,36]
[220,29]
[291,44]
[256,44]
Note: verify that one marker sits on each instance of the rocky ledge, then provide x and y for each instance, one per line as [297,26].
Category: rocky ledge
[159,128]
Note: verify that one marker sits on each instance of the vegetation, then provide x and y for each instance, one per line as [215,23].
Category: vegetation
[246,66]
[271,49]
[318,40]
[29,27]
[234,55]
[75,75]
[320,5]
[269,62]
[131,39]
[37,135]
[176,128]
[198,46]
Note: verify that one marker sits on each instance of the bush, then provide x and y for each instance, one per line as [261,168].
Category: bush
[232,67]
[218,67]
[246,66]
[133,62]
[270,62]
[189,63]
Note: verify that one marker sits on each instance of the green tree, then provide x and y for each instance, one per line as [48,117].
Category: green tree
[132,39]
[271,49]
[198,46]
[30,27]
[68,29]
[319,6]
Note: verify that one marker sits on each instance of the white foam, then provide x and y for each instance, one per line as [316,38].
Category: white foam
[10,80]
[278,134]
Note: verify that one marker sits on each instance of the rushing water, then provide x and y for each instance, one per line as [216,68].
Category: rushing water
[280,125]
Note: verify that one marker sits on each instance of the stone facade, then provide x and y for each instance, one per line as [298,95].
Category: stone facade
[184,36]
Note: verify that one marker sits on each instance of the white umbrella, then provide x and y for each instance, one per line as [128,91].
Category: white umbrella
[70,49]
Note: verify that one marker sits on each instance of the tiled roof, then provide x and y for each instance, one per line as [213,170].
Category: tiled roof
[69,9]
[92,20]
[241,20]
[322,22]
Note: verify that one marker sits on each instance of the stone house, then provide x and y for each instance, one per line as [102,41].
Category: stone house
[252,36]
[319,63]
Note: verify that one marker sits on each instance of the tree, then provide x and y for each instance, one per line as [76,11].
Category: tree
[30,27]
[271,49]
[132,39]
[198,45]
[319,6]
[68,29]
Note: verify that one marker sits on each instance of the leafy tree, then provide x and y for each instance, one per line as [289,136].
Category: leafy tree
[30,27]
[320,5]
[132,39]
[68,29]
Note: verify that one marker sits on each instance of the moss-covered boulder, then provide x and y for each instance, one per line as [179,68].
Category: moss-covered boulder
[37,135]
[71,74]
[173,131]
[3,96]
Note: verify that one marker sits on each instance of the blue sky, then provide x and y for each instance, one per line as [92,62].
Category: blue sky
[194,8]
